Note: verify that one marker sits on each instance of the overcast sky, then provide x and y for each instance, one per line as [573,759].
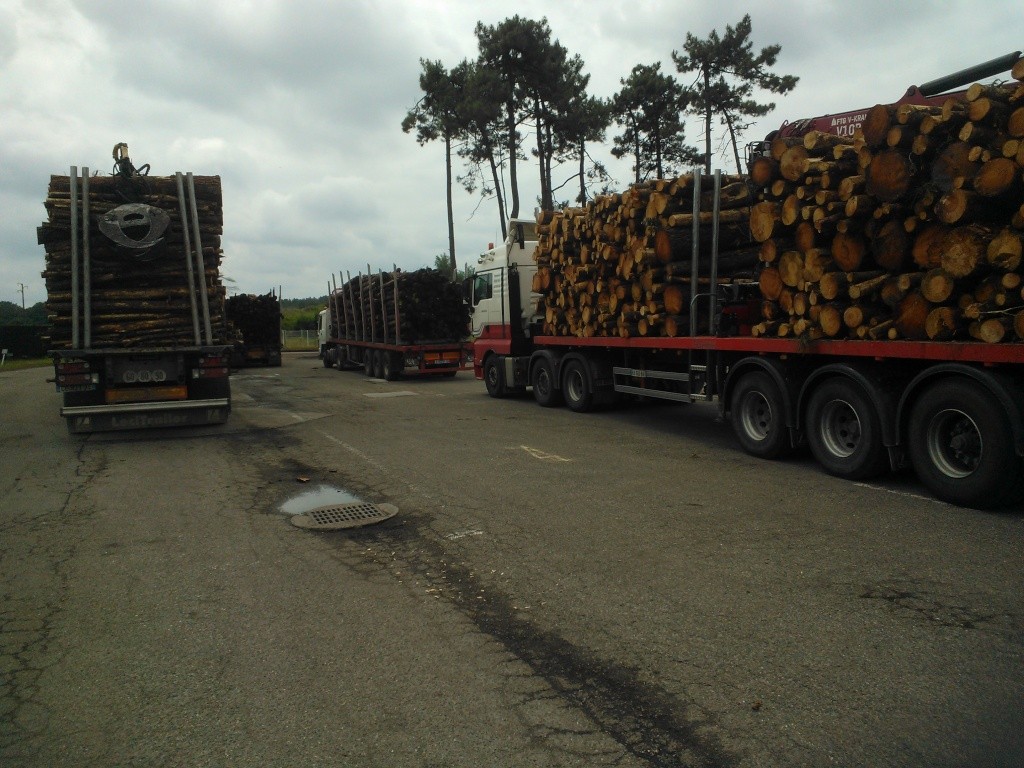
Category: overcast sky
[297,105]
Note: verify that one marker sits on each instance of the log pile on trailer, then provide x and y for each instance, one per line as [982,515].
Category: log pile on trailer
[256,317]
[621,265]
[912,229]
[136,296]
[398,307]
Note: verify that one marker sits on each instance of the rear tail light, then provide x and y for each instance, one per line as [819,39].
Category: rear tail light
[211,367]
[76,374]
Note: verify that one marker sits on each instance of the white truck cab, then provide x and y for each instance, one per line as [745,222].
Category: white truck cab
[488,290]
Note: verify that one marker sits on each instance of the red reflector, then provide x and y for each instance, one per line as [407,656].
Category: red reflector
[73,379]
[146,394]
[210,373]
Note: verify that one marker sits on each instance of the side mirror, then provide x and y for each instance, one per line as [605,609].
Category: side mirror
[467,290]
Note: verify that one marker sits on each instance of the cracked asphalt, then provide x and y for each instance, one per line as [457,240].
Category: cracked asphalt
[624,588]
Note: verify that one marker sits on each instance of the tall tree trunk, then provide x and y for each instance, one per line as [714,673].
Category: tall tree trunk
[583,184]
[513,152]
[732,138]
[544,153]
[498,194]
[496,177]
[636,148]
[448,193]
[707,122]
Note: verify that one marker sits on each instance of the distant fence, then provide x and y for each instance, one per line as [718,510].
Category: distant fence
[299,341]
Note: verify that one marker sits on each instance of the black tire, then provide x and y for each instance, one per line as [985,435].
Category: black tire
[961,446]
[378,363]
[758,416]
[844,431]
[542,379]
[368,362]
[494,376]
[577,388]
[393,365]
[325,355]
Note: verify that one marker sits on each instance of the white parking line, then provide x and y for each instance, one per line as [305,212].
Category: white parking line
[902,493]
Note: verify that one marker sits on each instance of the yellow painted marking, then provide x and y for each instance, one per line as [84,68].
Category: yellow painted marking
[541,455]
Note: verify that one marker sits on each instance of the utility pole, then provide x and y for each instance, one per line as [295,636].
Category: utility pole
[21,286]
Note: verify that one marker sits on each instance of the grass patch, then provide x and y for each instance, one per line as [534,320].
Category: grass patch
[22,364]
[293,344]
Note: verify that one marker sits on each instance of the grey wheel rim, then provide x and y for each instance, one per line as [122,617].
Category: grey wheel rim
[840,429]
[756,415]
[954,443]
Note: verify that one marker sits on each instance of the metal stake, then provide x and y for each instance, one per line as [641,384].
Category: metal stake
[190,271]
[200,264]
[73,181]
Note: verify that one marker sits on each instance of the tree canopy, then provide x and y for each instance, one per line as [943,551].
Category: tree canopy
[525,96]
[727,71]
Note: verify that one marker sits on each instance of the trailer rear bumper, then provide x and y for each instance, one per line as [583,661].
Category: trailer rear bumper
[177,413]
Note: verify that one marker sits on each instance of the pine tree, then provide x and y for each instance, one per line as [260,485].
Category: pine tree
[727,71]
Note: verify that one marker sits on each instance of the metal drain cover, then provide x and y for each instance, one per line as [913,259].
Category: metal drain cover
[352,515]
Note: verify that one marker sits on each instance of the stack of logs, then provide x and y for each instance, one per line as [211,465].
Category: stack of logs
[137,299]
[430,308]
[621,265]
[256,318]
[912,229]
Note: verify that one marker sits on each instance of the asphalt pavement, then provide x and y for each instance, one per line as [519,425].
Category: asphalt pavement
[620,588]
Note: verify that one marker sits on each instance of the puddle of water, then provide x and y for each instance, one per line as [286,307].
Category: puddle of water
[319,496]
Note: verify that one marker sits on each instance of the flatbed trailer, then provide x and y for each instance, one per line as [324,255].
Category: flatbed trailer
[361,329]
[952,410]
[390,361]
[955,411]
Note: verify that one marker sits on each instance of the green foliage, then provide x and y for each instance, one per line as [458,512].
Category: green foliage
[650,107]
[727,71]
[442,265]
[300,314]
[524,81]
[12,314]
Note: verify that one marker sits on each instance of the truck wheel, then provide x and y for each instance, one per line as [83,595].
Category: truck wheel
[844,431]
[542,379]
[758,417]
[325,355]
[577,389]
[378,363]
[494,376]
[393,365]
[961,446]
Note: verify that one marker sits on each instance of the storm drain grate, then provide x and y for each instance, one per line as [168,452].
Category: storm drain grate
[352,515]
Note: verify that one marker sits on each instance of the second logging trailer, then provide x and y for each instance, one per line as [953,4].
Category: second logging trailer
[952,410]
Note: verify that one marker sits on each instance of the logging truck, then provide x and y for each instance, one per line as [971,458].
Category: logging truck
[394,324]
[132,290]
[953,410]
